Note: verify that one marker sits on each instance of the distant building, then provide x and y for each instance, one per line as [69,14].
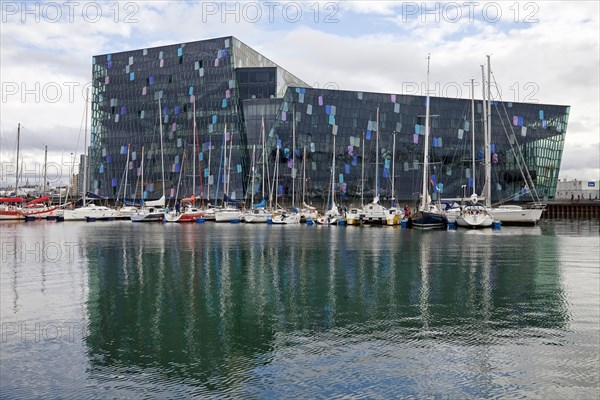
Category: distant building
[235,90]
[577,190]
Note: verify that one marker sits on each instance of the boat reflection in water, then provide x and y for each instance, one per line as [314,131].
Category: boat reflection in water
[224,307]
[252,310]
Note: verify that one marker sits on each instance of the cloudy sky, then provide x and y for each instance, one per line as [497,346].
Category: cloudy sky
[544,52]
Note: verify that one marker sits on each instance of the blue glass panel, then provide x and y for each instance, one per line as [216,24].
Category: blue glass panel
[108,158]
[328,109]
[151,80]
[191,90]
[332,120]
[113,182]
[417,129]
[341,178]
[132,76]
[179,52]
[368,135]
[122,110]
[347,168]
[354,160]
[224,103]
[214,119]
[177,110]
[492,148]
[541,114]
[386,173]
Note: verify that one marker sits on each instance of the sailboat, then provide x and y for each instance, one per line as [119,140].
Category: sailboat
[428,215]
[307,212]
[354,214]
[258,212]
[190,212]
[87,211]
[153,211]
[509,214]
[374,212]
[333,215]
[474,215]
[393,215]
[228,213]
[127,209]
[290,217]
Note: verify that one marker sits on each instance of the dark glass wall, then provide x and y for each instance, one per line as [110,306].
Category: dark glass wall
[127,88]
[535,130]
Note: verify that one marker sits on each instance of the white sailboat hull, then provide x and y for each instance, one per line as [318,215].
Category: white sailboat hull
[257,216]
[227,215]
[90,211]
[281,219]
[148,215]
[475,221]
[516,215]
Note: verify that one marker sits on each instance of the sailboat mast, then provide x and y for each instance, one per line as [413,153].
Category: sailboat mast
[362,174]
[142,179]
[262,133]
[393,169]
[488,140]
[162,156]
[333,170]
[45,169]
[194,158]
[473,134]
[126,171]
[485,133]
[304,176]
[253,175]
[208,172]
[17,165]
[229,163]
[377,156]
[293,156]
[85,156]
[424,200]
[225,159]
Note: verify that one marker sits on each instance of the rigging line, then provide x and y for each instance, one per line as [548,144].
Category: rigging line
[527,177]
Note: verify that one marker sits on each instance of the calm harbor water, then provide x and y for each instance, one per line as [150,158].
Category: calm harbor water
[105,310]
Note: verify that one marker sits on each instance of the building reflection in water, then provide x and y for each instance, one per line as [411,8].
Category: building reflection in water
[214,302]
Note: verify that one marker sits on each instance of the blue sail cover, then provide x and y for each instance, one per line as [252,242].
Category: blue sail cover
[259,205]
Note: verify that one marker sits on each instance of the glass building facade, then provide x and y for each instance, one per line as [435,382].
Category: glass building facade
[238,94]
[211,77]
